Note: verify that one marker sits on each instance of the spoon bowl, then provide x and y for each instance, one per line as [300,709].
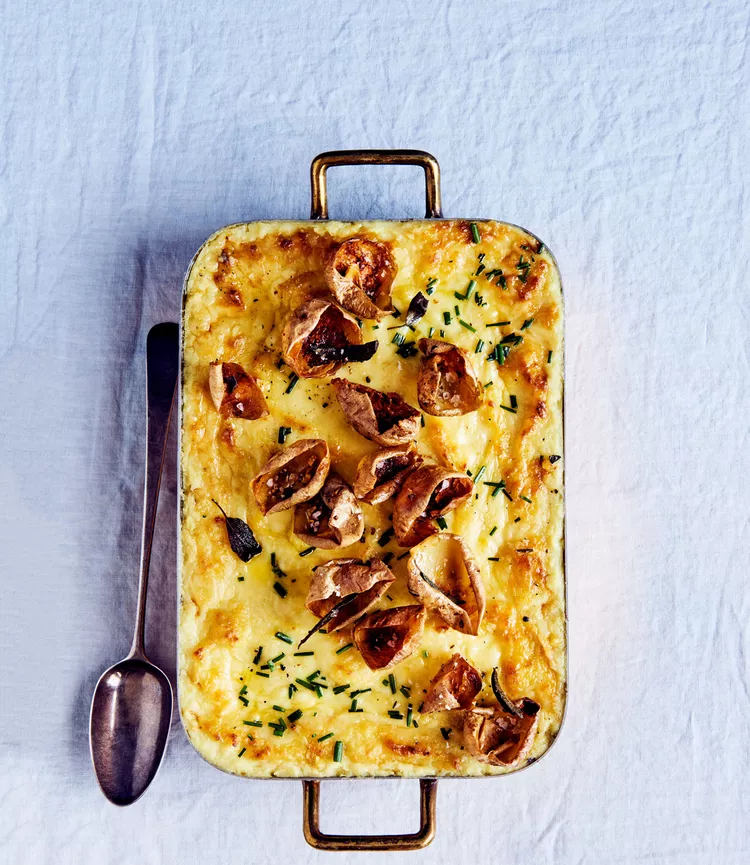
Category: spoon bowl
[130,717]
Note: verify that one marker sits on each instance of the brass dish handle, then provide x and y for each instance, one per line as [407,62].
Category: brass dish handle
[415,841]
[324,161]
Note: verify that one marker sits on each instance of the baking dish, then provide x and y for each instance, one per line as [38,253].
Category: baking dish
[473,230]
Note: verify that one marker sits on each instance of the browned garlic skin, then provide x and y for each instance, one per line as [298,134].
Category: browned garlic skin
[330,519]
[293,475]
[427,493]
[382,473]
[335,580]
[454,686]
[464,611]
[360,273]
[317,322]
[388,636]
[447,385]
[384,418]
[499,738]
[234,392]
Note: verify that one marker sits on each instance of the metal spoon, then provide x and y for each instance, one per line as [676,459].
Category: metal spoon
[132,706]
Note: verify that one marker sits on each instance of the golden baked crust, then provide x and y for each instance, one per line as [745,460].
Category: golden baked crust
[244,283]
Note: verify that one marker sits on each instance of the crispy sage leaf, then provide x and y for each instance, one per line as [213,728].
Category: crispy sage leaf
[503,698]
[241,537]
[417,308]
[345,353]
[331,614]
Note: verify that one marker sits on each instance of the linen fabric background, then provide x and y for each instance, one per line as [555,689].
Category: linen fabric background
[616,131]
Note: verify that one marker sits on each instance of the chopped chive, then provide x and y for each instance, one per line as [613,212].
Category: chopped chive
[527,323]
[360,691]
[480,474]
[313,676]
[292,383]
[549,357]
[280,590]
[392,683]
[253,723]
[279,731]
[475,232]
[409,714]
[479,270]
[508,408]
[244,701]
[406,691]
[385,537]
[442,523]
[275,566]
[525,550]
[240,579]
[327,736]
[394,713]
[425,653]
[442,333]
[470,289]
[458,296]
[264,675]
[339,689]
[338,752]
[498,324]
[242,752]
[343,649]
[447,317]
[292,690]
[308,685]
[481,256]
[243,691]
[488,384]
[526,499]
[430,332]
[353,707]
[494,483]
[421,421]
[479,346]
[277,658]
[280,635]
[513,401]
[456,310]
[493,559]
[467,325]
[507,495]
[501,281]
[306,552]
[283,433]
[493,530]
[303,654]
[398,338]
[295,716]
[446,731]
[278,708]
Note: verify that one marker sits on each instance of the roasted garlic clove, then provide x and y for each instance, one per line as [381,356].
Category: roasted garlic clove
[386,637]
[447,384]
[445,578]
[427,493]
[381,474]
[332,518]
[234,392]
[454,686]
[498,737]
[384,418]
[319,337]
[293,475]
[341,578]
[360,274]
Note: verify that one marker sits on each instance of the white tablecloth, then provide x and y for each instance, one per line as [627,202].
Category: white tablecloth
[618,132]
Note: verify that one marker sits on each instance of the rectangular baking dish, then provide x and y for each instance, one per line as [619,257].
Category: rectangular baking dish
[311,786]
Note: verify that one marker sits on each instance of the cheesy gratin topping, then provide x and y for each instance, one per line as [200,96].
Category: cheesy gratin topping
[371,499]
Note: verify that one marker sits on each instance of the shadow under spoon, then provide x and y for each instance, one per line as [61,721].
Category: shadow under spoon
[131,710]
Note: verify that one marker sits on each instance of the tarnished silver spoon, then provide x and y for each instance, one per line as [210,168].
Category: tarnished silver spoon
[132,706]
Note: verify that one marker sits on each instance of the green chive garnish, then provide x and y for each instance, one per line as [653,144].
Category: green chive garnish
[280,635]
[283,433]
[488,384]
[408,715]
[303,654]
[277,658]
[498,324]
[549,357]
[493,530]
[447,317]
[295,716]
[253,723]
[280,590]
[327,736]
[292,690]
[392,683]
[353,707]
[527,323]
[406,691]
[306,552]
[442,523]
[475,232]
[292,383]
[242,752]
[338,752]
[479,346]
[360,691]
[480,474]
[508,408]
[513,401]
[467,325]
[278,708]
[339,689]
[526,499]
[394,713]
[470,289]
[430,332]
[243,691]
[243,701]
[493,559]
[501,281]
[343,649]
[264,675]
[446,731]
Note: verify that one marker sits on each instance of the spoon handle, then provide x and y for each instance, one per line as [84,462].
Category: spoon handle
[162,362]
